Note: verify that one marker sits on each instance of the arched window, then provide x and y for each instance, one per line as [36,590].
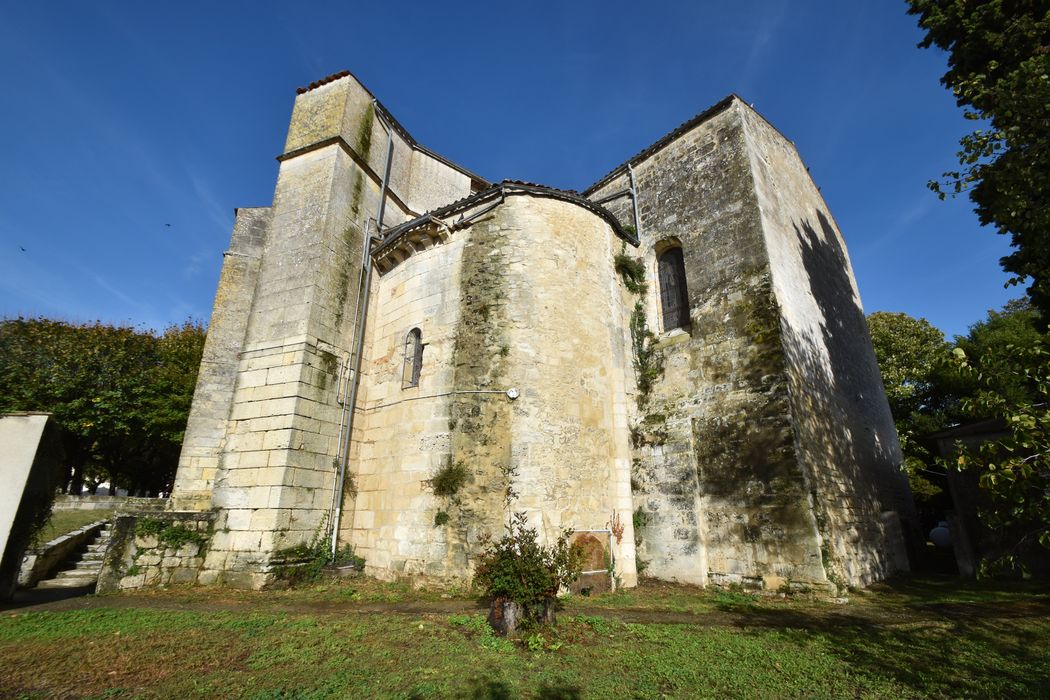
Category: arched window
[674,299]
[413,358]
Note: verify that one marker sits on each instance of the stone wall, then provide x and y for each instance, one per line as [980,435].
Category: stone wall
[64,502]
[402,436]
[569,453]
[750,465]
[263,437]
[719,489]
[31,462]
[157,549]
[497,304]
[845,436]
[216,379]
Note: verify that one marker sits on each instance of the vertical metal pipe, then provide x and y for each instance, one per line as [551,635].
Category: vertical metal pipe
[359,336]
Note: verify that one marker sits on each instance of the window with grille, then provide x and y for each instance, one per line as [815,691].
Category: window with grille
[674,300]
[413,359]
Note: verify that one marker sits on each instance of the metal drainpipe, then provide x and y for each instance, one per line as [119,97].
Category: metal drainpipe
[634,202]
[359,335]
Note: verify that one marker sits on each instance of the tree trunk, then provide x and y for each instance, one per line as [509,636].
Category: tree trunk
[503,616]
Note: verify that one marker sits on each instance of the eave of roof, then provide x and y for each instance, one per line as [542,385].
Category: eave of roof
[667,138]
[505,188]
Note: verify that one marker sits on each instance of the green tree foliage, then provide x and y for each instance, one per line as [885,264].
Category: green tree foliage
[1017,325]
[999,72]
[999,370]
[121,395]
[1015,470]
[912,357]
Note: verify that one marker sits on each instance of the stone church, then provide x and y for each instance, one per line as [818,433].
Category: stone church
[673,362]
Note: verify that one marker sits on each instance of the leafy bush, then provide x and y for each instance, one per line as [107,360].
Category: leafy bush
[517,568]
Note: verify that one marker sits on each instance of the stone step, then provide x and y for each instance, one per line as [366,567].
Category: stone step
[81,566]
[80,582]
[81,569]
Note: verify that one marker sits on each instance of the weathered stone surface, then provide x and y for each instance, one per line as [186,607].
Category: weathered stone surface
[753,446]
[135,559]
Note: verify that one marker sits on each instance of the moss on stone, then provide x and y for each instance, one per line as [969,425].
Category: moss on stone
[480,423]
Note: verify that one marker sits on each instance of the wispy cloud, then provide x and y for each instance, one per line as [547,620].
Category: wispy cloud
[765,36]
[902,225]
[220,214]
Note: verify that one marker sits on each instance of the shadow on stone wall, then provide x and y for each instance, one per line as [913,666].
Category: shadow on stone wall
[845,431]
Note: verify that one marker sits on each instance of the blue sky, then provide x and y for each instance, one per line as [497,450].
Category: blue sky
[130,131]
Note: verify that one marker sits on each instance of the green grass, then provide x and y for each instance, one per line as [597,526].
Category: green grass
[65,521]
[895,643]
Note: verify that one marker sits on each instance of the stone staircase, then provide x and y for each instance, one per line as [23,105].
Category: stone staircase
[81,569]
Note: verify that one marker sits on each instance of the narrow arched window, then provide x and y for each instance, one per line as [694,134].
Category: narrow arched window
[674,299]
[413,358]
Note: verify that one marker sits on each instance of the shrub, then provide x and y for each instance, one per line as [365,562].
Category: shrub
[632,270]
[517,568]
[449,479]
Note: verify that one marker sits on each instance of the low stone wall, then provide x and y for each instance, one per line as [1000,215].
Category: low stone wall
[155,549]
[40,563]
[109,503]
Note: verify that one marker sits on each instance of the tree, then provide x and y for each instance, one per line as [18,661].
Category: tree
[121,395]
[999,370]
[1017,324]
[1015,470]
[912,355]
[999,72]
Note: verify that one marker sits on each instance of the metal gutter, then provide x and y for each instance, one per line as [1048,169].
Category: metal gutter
[354,376]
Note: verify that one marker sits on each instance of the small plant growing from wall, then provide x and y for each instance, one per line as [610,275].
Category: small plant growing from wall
[631,270]
[303,563]
[170,535]
[522,578]
[648,363]
[449,480]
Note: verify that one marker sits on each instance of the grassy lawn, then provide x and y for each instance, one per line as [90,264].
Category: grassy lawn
[924,638]
[65,521]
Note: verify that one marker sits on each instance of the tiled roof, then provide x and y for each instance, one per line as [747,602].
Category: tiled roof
[505,188]
[323,81]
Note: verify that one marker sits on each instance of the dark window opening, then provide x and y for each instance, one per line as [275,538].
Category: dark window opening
[674,299]
[413,359]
